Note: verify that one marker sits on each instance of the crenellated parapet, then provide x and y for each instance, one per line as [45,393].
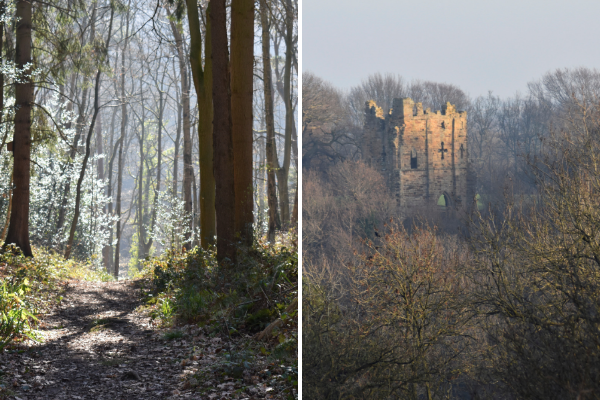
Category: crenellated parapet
[422,154]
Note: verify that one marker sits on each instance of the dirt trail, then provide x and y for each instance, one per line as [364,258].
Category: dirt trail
[95,347]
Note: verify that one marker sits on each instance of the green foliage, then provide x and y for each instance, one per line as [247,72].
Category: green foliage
[163,306]
[192,304]
[172,335]
[29,285]
[15,312]
[249,295]
[234,363]
[260,319]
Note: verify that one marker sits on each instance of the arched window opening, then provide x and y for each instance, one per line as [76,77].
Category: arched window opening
[443,201]
[413,159]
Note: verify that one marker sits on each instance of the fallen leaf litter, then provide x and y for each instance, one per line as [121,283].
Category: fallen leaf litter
[98,345]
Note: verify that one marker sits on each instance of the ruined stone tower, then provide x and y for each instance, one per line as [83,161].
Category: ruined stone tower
[421,154]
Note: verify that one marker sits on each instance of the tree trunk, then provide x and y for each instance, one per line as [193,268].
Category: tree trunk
[242,65]
[285,93]
[87,146]
[121,140]
[177,141]
[187,143]
[18,229]
[203,85]
[294,221]
[140,208]
[8,210]
[110,251]
[161,108]
[274,222]
[100,172]
[222,140]
[72,153]
[2,11]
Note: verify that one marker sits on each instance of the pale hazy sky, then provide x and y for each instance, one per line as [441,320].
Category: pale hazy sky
[478,45]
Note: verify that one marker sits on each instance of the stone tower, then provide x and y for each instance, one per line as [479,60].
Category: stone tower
[422,155]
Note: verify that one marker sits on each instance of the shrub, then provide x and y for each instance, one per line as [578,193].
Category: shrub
[15,312]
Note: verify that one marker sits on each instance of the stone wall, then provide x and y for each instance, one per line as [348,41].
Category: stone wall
[422,154]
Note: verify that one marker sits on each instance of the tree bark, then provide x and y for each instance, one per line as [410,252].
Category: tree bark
[161,109]
[274,222]
[177,141]
[187,143]
[121,140]
[203,85]
[242,66]
[8,210]
[87,145]
[67,189]
[140,208]
[2,11]
[18,229]
[285,93]
[100,172]
[109,265]
[294,221]
[222,140]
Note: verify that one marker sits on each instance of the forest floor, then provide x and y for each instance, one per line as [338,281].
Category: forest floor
[98,343]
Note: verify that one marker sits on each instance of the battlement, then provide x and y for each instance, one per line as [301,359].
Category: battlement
[406,108]
[422,154]
[372,110]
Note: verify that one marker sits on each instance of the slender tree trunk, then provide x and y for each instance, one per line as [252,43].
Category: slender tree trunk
[8,210]
[87,146]
[187,144]
[140,207]
[242,66]
[203,84]
[122,139]
[161,108]
[262,181]
[285,92]
[294,221]
[109,194]
[274,222]
[120,185]
[18,229]
[100,172]
[176,155]
[222,140]
[67,189]
[195,208]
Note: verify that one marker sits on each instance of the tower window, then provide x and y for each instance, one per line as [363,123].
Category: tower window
[413,159]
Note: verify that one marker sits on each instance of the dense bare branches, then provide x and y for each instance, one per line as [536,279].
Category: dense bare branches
[398,317]
[510,309]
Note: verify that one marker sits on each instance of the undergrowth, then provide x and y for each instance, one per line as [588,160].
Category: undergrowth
[234,301]
[30,286]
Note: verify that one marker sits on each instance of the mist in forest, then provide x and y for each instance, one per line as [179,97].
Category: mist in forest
[117,125]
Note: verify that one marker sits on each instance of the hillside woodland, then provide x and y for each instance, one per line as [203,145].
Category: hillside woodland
[496,302]
[148,199]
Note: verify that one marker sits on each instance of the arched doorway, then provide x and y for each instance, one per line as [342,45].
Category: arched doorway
[443,201]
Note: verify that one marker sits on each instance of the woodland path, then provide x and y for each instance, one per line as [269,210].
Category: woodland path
[97,346]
